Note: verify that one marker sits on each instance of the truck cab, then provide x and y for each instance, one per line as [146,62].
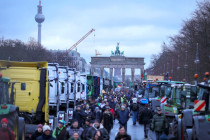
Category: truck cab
[54,97]
[83,79]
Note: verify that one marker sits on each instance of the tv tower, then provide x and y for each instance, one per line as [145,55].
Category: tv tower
[39,19]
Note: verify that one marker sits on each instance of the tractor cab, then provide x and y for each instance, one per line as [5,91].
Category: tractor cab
[201,117]
[9,110]
[4,86]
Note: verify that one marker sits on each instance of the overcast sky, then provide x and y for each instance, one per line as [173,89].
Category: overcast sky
[141,26]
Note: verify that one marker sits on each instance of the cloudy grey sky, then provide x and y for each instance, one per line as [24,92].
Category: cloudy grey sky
[139,25]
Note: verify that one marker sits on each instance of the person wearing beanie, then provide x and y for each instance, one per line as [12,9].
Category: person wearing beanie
[5,132]
[123,117]
[60,132]
[38,132]
[46,134]
[97,126]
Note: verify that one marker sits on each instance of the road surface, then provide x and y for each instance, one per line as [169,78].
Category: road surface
[135,131]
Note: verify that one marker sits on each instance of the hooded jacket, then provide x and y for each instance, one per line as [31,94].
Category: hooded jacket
[123,116]
[6,134]
[46,137]
[159,122]
[60,133]
[72,130]
[35,135]
[92,130]
[124,137]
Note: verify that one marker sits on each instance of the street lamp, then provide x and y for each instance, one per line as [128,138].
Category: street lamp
[196,58]
[186,65]
[178,67]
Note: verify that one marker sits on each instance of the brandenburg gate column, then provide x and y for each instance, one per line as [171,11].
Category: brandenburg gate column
[123,75]
[102,72]
[132,74]
[111,74]
[92,70]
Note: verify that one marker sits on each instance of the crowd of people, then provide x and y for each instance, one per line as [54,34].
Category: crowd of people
[93,119]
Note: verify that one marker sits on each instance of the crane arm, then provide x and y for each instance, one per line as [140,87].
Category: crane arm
[75,45]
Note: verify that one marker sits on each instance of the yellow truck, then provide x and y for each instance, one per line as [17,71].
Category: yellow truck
[31,86]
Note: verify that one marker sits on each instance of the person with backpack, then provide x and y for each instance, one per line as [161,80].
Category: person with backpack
[5,132]
[60,133]
[134,108]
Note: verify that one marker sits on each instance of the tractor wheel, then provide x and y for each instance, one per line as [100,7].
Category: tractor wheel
[13,123]
[194,135]
[21,131]
[175,128]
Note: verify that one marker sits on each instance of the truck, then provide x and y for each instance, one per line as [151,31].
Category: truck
[9,110]
[31,91]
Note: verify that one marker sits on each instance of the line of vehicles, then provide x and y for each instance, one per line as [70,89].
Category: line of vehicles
[186,106]
[38,92]
[42,92]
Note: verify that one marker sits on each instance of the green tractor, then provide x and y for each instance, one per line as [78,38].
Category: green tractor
[10,111]
[194,123]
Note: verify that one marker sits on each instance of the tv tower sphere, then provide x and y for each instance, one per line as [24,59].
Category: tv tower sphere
[39,16]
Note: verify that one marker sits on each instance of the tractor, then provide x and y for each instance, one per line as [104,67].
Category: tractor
[9,110]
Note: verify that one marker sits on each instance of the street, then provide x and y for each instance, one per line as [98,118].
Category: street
[136,132]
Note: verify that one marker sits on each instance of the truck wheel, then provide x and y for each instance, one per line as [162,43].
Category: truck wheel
[21,131]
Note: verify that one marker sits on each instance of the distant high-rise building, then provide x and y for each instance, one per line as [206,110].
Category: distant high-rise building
[39,19]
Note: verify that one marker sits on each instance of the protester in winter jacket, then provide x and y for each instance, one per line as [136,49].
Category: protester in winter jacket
[94,106]
[107,119]
[88,113]
[141,108]
[112,104]
[86,126]
[79,115]
[146,116]
[46,134]
[97,114]
[117,108]
[38,132]
[75,128]
[123,117]
[60,133]
[5,132]
[102,104]
[159,123]
[122,135]
[134,108]
[97,126]
[98,136]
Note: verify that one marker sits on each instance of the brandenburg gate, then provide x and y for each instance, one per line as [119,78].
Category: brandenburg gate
[117,60]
